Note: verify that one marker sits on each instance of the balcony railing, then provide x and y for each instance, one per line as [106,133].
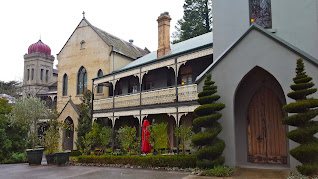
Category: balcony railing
[157,96]
[127,100]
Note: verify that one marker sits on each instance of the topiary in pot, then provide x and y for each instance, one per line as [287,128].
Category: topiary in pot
[210,146]
[303,111]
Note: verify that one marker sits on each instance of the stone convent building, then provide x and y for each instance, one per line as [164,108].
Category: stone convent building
[251,55]
[88,53]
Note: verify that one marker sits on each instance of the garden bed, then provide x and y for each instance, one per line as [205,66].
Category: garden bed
[179,161]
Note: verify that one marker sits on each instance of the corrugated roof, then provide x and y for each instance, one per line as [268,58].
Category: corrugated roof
[192,43]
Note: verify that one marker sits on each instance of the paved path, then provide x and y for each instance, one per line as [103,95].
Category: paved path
[43,171]
[21,171]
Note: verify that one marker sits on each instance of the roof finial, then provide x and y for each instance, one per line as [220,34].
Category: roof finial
[40,36]
[83,14]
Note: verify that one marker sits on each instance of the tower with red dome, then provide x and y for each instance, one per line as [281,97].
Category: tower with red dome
[39,76]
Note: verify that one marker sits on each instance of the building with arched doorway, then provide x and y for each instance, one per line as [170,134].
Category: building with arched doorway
[88,53]
[254,66]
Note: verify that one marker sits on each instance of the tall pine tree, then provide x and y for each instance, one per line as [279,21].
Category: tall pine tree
[197,20]
[304,110]
[210,146]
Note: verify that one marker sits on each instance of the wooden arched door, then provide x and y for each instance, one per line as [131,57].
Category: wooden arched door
[68,134]
[265,132]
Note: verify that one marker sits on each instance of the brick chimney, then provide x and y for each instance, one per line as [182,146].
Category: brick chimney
[163,35]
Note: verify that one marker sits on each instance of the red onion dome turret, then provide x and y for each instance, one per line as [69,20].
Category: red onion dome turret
[39,47]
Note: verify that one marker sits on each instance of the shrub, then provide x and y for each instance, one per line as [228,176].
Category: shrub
[105,136]
[127,138]
[159,138]
[218,171]
[51,139]
[210,146]
[183,133]
[75,153]
[5,143]
[181,161]
[15,158]
[304,110]
[87,143]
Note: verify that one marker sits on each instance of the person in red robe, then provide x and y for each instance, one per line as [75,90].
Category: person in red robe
[145,145]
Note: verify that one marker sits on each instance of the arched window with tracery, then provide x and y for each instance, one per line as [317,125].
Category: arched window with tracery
[65,81]
[260,13]
[100,87]
[81,80]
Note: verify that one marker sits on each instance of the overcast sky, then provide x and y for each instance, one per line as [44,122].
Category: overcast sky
[23,22]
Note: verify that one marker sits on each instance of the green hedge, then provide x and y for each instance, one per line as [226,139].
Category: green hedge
[181,161]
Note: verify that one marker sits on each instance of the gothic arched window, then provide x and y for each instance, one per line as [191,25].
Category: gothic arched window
[99,87]
[81,80]
[28,74]
[47,75]
[65,78]
[260,13]
[32,74]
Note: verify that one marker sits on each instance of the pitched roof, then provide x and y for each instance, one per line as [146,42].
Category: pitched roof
[119,46]
[74,106]
[266,33]
[192,44]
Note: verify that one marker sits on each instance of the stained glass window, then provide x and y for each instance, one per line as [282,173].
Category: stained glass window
[81,80]
[260,13]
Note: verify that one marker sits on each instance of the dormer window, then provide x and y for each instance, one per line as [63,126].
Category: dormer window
[260,13]
[82,44]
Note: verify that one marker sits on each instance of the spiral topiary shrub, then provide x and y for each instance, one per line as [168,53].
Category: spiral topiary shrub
[210,146]
[304,110]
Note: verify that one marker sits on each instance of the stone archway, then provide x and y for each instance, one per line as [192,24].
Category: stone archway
[68,134]
[260,134]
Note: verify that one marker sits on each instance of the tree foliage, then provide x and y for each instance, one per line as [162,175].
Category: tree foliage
[210,146]
[197,20]
[183,133]
[5,142]
[127,138]
[12,88]
[51,139]
[85,118]
[304,110]
[159,137]
[105,137]
[28,111]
